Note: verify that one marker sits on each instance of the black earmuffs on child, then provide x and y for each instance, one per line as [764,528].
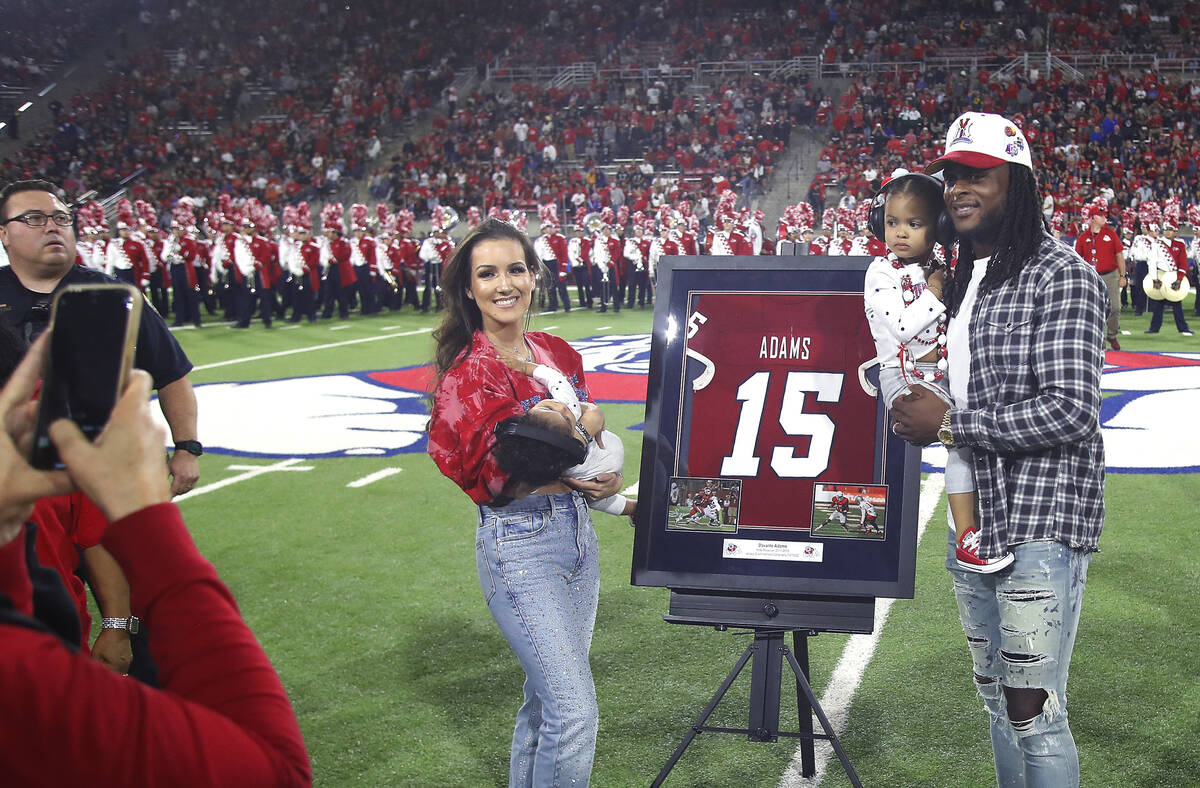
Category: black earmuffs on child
[944,227]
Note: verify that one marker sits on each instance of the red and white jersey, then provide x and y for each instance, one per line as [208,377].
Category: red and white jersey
[840,503]
[840,247]
[266,263]
[754,235]
[309,255]
[437,250]
[725,244]
[92,253]
[363,253]
[222,249]
[659,248]
[579,251]
[775,400]
[558,244]
[242,261]
[637,252]
[288,249]
[340,253]
[541,245]
[404,253]
[860,245]
[182,251]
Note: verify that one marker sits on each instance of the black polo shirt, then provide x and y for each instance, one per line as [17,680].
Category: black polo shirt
[27,314]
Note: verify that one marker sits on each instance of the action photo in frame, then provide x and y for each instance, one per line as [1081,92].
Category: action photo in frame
[755,381]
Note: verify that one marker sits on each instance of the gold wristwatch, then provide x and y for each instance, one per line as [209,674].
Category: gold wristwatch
[943,433]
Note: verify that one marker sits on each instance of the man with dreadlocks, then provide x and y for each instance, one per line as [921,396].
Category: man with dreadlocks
[1026,344]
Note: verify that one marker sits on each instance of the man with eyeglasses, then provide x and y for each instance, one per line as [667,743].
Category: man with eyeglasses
[37,231]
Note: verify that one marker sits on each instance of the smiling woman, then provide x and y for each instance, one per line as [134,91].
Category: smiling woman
[535,550]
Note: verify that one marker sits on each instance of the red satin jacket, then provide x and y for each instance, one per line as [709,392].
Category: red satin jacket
[479,392]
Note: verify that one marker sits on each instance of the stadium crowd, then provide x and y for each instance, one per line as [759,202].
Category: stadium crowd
[288,109]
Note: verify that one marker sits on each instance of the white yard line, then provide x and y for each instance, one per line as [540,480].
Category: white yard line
[374,477]
[338,328]
[857,654]
[308,349]
[205,325]
[250,472]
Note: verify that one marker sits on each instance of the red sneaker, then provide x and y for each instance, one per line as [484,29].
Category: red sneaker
[1115,344]
[967,555]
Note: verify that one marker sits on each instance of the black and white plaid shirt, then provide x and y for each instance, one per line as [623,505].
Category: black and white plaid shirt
[1033,421]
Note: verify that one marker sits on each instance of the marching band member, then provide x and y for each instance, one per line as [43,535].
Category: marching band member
[637,256]
[338,273]
[362,257]
[606,251]
[306,271]
[662,246]
[95,236]
[727,241]
[754,232]
[579,253]
[179,253]
[387,287]
[156,276]
[288,251]
[221,257]
[240,267]
[1168,266]
[405,254]
[266,261]
[125,257]
[551,247]
[436,251]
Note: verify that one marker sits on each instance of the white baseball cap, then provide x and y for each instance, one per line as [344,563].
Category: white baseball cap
[983,140]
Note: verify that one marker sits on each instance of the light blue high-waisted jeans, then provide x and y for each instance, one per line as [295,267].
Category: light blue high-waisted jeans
[1020,625]
[539,569]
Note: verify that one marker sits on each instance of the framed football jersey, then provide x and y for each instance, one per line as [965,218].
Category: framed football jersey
[767,463]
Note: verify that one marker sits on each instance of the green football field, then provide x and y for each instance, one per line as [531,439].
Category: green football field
[358,575]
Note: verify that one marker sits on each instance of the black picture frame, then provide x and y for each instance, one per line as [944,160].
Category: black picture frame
[824,299]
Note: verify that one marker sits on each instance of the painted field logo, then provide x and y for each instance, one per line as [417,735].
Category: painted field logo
[1145,416]
[380,413]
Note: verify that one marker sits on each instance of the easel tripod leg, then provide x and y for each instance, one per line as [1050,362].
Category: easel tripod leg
[704,715]
[816,707]
[808,756]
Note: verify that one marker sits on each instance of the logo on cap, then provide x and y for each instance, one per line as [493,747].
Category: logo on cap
[964,131]
[1014,148]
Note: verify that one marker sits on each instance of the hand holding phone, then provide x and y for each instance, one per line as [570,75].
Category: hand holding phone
[93,335]
[124,469]
[21,485]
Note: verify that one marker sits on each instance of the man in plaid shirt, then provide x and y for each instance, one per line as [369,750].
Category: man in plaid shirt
[1026,349]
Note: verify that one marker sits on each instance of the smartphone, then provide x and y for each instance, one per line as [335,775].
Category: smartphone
[93,336]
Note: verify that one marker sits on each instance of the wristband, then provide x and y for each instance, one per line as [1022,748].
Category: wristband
[191,447]
[132,625]
[582,430]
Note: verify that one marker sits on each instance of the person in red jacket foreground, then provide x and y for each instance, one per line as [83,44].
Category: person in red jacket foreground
[222,717]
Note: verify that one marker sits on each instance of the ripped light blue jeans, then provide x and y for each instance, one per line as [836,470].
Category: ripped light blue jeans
[1020,625]
[539,569]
